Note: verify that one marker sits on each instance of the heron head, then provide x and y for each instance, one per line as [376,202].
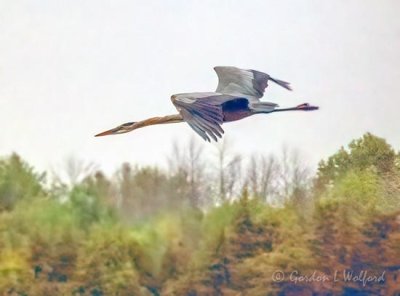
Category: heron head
[121,129]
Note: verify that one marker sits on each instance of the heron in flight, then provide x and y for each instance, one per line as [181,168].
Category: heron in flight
[237,96]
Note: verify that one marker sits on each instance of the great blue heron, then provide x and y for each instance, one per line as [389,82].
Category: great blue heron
[237,96]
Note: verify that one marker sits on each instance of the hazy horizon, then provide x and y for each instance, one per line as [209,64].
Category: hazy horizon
[71,69]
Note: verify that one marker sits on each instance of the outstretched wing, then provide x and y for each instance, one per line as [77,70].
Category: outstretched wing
[204,115]
[249,83]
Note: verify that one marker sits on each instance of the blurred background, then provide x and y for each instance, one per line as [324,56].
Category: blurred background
[159,212]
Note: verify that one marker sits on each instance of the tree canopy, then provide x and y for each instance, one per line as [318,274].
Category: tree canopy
[153,231]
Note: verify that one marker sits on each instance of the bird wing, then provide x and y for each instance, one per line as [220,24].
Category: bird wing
[204,115]
[249,83]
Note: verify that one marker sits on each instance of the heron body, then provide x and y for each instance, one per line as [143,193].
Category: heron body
[236,109]
[237,96]
[232,107]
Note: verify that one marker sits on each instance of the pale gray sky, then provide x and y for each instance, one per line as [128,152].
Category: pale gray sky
[70,69]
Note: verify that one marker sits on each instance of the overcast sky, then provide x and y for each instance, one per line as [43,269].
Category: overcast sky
[70,69]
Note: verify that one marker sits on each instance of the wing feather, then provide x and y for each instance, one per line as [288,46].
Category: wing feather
[248,83]
[205,128]
[203,115]
[208,125]
[199,132]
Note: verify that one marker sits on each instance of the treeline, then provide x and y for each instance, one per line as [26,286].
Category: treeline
[216,225]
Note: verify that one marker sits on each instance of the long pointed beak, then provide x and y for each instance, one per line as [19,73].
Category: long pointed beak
[107,133]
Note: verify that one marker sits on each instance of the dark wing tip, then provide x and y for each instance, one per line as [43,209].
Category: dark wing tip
[282,83]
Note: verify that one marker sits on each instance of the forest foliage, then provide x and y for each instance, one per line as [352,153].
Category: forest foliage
[221,226]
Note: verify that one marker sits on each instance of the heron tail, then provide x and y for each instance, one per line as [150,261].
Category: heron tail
[281,83]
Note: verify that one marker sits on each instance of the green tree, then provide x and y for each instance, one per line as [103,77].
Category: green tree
[18,181]
[368,152]
[91,200]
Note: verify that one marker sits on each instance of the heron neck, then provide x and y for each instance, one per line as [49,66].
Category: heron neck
[176,118]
